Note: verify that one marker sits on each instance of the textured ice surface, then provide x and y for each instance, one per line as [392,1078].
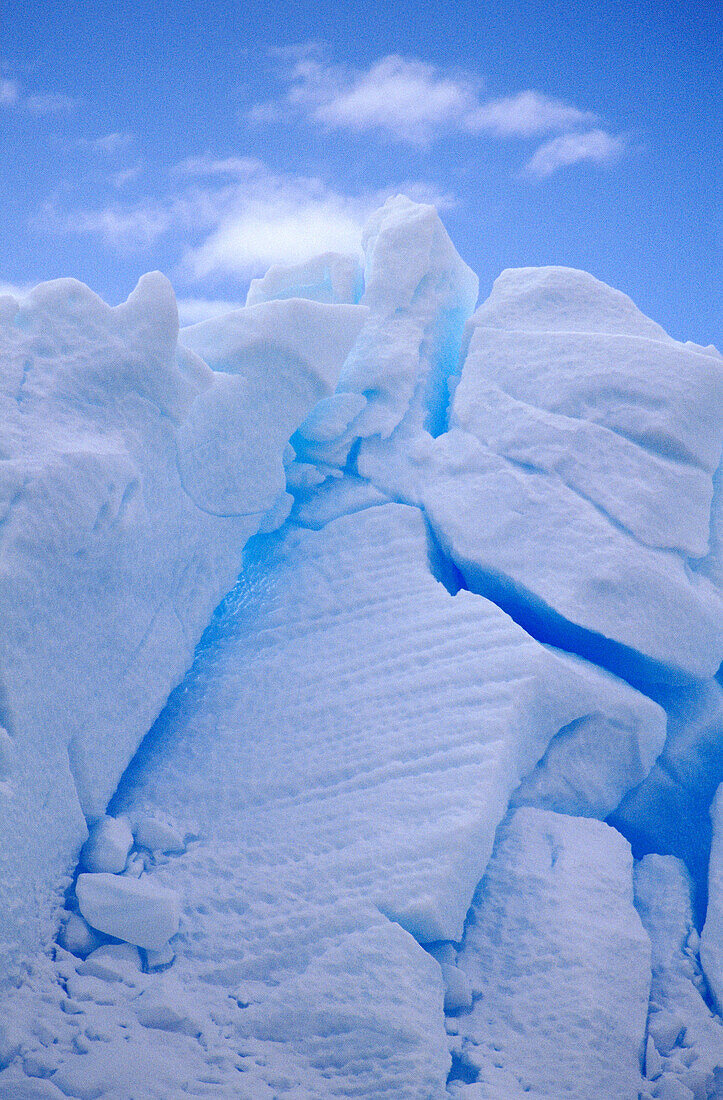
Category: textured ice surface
[578,426]
[346,747]
[685,1039]
[553,948]
[711,946]
[324,789]
[668,812]
[387,759]
[131,476]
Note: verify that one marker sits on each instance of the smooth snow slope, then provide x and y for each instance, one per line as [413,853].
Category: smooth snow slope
[371,718]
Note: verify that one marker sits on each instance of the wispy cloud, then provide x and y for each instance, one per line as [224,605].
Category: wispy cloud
[270,232]
[237,221]
[125,175]
[9,92]
[48,103]
[123,227]
[15,290]
[110,144]
[526,114]
[209,166]
[39,103]
[408,100]
[595,146]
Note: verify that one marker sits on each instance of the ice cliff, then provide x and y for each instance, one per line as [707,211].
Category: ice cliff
[377,842]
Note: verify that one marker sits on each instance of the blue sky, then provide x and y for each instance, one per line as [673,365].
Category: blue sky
[210,140]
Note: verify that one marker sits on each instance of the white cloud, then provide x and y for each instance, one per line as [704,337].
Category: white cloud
[193,310]
[9,92]
[39,103]
[48,103]
[596,146]
[213,166]
[525,114]
[15,290]
[108,143]
[239,225]
[282,230]
[285,219]
[122,227]
[125,175]
[408,100]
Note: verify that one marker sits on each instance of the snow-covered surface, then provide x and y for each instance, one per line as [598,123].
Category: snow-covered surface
[131,476]
[711,946]
[685,1039]
[357,783]
[554,947]
[371,725]
[584,430]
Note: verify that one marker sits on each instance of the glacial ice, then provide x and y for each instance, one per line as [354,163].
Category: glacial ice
[331,277]
[135,910]
[685,1040]
[669,811]
[369,808]
[132,475]
[554,946]
[599,445]
[109,842]
[711,941]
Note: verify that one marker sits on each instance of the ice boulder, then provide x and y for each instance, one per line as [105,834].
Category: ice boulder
[112,962]
[156,835]
[135,910]
[131,476]
[108,845]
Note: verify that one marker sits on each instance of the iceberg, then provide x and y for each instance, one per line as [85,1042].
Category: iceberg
[360,720]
